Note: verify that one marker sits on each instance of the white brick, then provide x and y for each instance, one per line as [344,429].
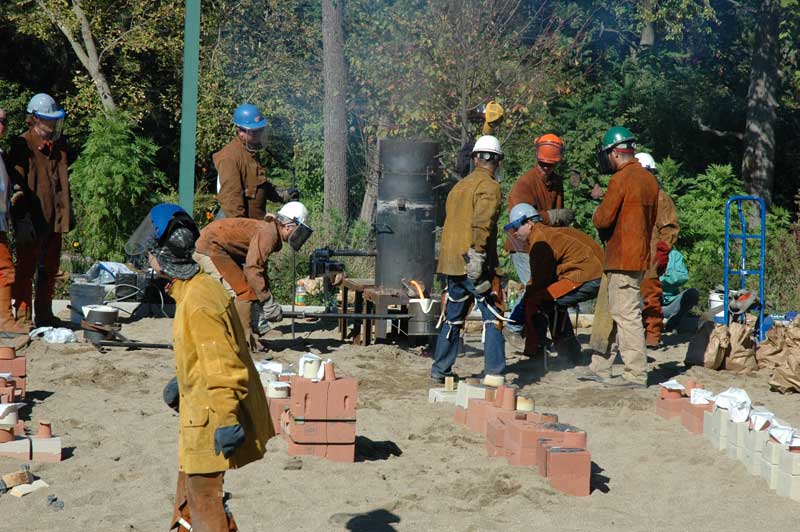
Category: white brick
[789,486]
[439,395]
[772,452]
[467,391]
[756,440]
[790,463]
[770,473]
[737,433]
[752,461]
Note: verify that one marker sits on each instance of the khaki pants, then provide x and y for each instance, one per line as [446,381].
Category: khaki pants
[625,307]
[207,265]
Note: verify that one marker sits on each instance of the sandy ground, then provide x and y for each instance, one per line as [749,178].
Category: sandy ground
[416,470]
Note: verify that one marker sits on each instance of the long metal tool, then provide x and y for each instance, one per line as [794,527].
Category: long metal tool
[294,261]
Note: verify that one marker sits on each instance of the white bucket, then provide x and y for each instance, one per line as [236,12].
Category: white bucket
[717,299]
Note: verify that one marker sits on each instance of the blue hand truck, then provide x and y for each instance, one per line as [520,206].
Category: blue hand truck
[742,271]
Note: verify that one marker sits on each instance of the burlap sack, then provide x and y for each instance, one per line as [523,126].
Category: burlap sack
[742,356]
[770,353]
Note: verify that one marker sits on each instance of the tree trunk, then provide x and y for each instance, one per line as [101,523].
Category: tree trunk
[758,163]
[334,111]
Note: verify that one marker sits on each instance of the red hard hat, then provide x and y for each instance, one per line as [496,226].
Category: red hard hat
[549,148]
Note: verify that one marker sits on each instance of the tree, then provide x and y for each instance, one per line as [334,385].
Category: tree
[334,108]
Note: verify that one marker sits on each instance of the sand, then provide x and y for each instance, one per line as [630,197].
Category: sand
[417,470]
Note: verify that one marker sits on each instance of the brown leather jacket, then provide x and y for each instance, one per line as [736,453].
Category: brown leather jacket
[244,189]
[532,188]
[472,210]
[240,248]
[559,253]
[628,211]
[40,170]
[666,229]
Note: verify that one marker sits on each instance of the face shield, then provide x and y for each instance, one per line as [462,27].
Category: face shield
[254,139]
[301,233]
[48,128]
[604,161]
[154,232]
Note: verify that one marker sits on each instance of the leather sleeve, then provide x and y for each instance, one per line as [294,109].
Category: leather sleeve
[606,213]
[231,188]
[485,210]
[255,265]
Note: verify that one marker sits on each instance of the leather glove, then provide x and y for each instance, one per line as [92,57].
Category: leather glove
[270,310]
[475,262]
[597,192]
[228,439]
[172,395]
[16,196]
[662,257]
[289,194]
[561,217]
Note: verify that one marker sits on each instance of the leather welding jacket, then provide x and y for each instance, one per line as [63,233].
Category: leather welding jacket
[219,385]
[628,211]
[243,186]
[665,230]
[240,249]
[540,192]
[563,254]
[39,168]
[472,210]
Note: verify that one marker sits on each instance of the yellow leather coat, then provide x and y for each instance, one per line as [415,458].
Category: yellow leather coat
[219,385]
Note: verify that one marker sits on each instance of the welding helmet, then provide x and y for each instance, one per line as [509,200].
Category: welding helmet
[48,114]
[169,234]
[617,138]
[248,119]
[295,213]
[647,162]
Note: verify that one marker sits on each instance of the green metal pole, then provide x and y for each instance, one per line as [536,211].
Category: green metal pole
[191,65]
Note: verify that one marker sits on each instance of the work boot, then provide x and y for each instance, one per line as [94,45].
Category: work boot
[515,340]
[24,317]
[7,322]
[245,311]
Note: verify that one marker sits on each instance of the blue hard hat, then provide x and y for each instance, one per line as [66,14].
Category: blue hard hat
[248,116]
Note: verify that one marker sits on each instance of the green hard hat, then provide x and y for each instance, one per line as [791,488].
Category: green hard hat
[617,135]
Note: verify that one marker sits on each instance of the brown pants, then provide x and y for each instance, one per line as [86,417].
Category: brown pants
[651,310]
[6,262]
[198,501]
[48,249]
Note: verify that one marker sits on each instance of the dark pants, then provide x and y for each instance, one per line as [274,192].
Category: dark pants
[460,295]
[47,251]
[561,328]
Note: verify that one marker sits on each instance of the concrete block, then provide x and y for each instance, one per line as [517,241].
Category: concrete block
[752,461]
[569,470]
[466,391]
[440,395]
[721,417]
[770,473]
[790,463]
[772,452]
[708,428]
[789,486]
[735,452]
[35,449]
[737,432]
[519,456]
[756,440]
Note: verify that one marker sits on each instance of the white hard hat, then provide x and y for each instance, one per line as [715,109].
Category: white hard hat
[487,144]
[294,210]
[646,160]
[44,106]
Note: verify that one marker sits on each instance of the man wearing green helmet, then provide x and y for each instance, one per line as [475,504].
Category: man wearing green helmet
[625,220]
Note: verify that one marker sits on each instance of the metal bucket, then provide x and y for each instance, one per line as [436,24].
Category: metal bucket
[99,315]
[81,295]
[424,315]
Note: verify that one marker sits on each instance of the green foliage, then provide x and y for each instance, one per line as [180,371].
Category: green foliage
[14,99]
[114,184]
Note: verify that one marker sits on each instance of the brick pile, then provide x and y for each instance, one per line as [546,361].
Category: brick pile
[318,418]
[13,372]
[750,441]
[525,438]
[43,447]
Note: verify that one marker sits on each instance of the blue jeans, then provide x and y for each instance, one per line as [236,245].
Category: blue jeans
[584,292]
[455,312]
[680,307]
[522,264]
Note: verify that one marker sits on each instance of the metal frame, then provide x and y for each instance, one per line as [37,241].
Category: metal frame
[742,271]
[191,67]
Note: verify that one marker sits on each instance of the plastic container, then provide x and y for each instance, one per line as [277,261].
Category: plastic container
[300,295]
[717,299]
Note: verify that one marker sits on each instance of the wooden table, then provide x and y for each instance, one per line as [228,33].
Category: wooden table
[362,328]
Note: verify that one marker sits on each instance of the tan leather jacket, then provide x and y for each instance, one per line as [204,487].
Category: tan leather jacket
[666,229]
[472,210]
[243,186]
[219,385]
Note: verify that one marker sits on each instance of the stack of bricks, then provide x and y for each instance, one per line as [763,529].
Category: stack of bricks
[12,375]
[319,416]
[746,441]
[524,437]
[43,447]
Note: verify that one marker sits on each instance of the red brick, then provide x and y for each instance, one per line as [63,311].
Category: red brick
[341,452]
[299,449]
[569,470]
[476,415]
[520,456]
[565,435]
[542,448]
[460,416]
[15,366]
[670,408]
[494,413]
[489,394]
[523,434]
[309,398]
[542,417]
[494,451]
[496,432]
[276,406]
[692,416]
[341,432]
[310,432]
[668,395]
[7,394]
[342,397]
[20,386]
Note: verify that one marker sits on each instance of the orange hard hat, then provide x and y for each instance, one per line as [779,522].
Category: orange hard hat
[549,148]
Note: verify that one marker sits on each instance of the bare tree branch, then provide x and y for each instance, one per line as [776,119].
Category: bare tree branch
[706,129]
